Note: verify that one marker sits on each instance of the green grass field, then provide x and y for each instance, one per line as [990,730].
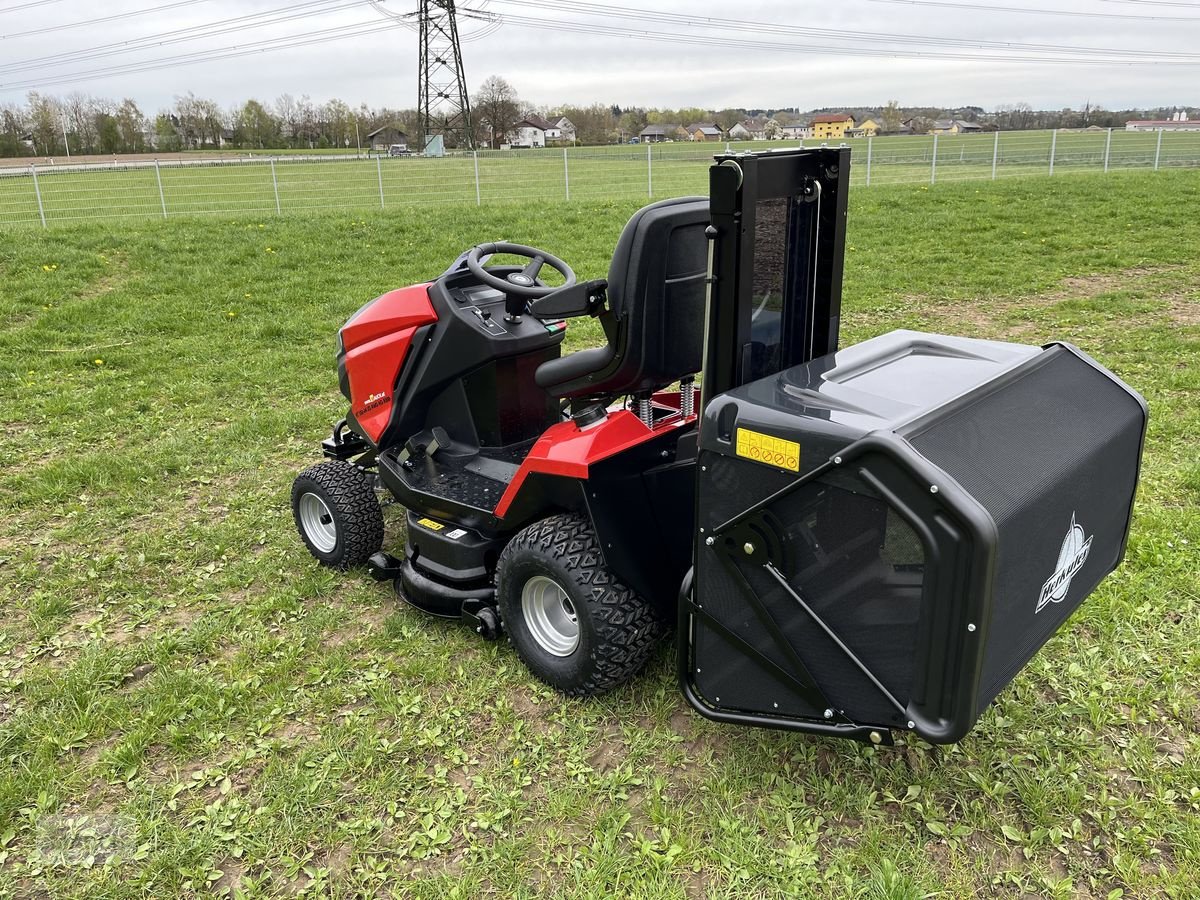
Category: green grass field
[189,706]
[627,172]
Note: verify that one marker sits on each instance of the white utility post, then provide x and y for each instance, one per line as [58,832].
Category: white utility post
[162,198]
[1107,148]
[1053,147]
[275,186]
[995,153]
[1158,149]
[37,190]
[869,139]
[933,164]
[566,175]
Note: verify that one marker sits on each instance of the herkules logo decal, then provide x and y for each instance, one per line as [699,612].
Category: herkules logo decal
[1071,557]
[371,402]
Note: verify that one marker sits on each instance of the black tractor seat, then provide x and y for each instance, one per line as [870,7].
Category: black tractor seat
[654,319]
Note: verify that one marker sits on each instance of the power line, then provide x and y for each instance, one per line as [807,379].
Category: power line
[598,9]
[819,49]
[303,39]
[978,7]
[1156,3]
[113,18]
[20,6]
[593,28]
[182,35]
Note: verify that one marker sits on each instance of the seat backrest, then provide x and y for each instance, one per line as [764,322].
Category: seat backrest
[655,315]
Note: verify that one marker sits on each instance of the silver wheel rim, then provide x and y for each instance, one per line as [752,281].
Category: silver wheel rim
[550,616]
[317,522]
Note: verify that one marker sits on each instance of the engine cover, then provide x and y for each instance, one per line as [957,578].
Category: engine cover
[889,533]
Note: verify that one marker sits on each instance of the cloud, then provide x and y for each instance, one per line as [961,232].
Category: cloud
[550,66]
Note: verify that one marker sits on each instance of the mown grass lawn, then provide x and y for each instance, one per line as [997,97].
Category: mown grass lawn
[180,684]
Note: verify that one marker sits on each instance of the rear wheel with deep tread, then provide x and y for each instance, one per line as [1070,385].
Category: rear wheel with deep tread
[573,623]
[337,513]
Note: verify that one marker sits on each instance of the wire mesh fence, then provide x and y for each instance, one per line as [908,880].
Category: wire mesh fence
[42,196]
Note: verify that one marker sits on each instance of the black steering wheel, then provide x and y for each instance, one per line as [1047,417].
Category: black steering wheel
[523,283]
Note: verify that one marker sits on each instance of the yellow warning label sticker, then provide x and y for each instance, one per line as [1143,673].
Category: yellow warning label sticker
[770,450]
[430,524]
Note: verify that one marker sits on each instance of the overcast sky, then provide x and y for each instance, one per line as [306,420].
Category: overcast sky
[557,66]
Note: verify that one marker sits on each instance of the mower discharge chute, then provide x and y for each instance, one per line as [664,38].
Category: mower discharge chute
[850,542]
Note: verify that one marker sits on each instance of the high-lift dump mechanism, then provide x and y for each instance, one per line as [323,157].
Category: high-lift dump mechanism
[850,542]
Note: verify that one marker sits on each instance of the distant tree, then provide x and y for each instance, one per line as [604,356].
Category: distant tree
[309,132]
[12,129]
[287,110]
[593,124]
[496,108]
[921,124]
[891,117]
[726,118]
[80,111]
[166,135]
[108,133]
[337,123]
[131,124]
[256,126]
[773,130]
[633,121]
[45,117]
[1016,117]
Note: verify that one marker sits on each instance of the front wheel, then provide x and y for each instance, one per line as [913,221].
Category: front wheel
[572,622]
[337,513]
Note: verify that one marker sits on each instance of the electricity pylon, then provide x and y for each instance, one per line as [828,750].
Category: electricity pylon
[442,102]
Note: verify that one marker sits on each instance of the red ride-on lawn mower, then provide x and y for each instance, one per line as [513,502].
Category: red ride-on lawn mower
[850,542]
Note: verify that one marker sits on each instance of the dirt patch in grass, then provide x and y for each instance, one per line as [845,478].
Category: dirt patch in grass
[1184,311]
[994,317]
[610,751]
[230,881]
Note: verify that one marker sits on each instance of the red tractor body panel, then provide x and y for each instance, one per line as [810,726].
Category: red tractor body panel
[376,343]
[564,449]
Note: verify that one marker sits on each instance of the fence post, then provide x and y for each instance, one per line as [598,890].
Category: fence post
[379,172]
[1158,149]
[566,175]
[995,153]
[37,190]
[275,186]
[650,171]
[162,198]
[933,163]
[1107,148]
[869,139]
[1053,147]
[478,195]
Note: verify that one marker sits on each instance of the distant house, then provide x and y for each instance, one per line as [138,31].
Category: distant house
[1178,122]
[705,132]
[565,127]
[749,130]
[533,131]
[656,134]
[831,127]
[381,139]
[865,128]
[797,131]
[955,126]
